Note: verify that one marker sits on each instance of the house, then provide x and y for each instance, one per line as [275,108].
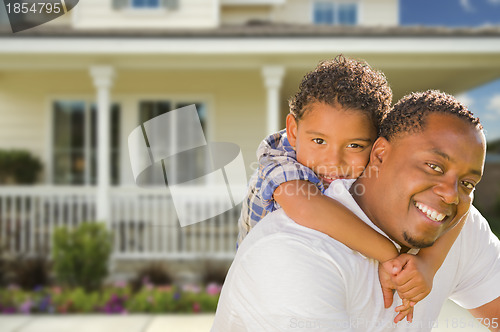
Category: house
[73,89]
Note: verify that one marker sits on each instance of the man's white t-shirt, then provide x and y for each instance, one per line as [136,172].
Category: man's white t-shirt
[286,277]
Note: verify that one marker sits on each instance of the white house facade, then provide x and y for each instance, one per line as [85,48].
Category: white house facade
[72,90]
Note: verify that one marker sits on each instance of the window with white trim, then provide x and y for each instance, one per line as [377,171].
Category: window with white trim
[145,4]
[185,167]
[335,13]
[74,143]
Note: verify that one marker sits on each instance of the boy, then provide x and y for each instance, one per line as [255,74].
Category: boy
[333,122]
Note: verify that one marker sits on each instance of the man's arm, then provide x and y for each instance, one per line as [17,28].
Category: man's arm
[489,314]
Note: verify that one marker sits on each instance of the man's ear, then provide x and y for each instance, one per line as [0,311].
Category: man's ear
[291,129]
[380,149]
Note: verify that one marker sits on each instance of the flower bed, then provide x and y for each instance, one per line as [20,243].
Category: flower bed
[115,299]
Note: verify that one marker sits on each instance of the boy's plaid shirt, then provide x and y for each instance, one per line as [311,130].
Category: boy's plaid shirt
[277,164]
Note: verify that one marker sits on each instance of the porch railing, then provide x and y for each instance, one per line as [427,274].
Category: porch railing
[143,222]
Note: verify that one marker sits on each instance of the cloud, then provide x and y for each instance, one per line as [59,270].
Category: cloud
[466,100]
[494,107]
[467,6]
[494,2]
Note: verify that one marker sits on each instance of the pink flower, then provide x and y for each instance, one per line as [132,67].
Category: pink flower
[191,288]
[165,288]
[25,308]
[13,287]
[120,284]
[196,307]
[213,289]
[56,290]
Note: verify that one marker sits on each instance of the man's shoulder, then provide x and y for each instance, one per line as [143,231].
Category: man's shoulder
[475,223]
[476,236]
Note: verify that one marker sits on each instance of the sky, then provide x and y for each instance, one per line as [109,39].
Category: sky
[483,101]
[455,13]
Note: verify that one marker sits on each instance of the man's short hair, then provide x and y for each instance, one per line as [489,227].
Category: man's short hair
[409,113]
[350,83]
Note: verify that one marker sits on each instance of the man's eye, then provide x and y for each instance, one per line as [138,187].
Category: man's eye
[468,185]
[435,168]
[319,141]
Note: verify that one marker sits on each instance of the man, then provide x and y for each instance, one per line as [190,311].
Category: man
[418,185]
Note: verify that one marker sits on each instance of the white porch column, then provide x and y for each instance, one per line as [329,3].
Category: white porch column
[103,79]
[273,79]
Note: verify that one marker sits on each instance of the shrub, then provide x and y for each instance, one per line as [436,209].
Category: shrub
[31,272]
[75,300]
[153,274]
[81,255]
[19,166]
[3,267]
[188,299]
[111,300]
[214,273]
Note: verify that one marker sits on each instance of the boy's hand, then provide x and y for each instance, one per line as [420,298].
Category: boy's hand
[414,281]
[411,277]
[404,310]
[385,274]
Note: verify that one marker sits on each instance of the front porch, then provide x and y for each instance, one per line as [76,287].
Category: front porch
[143,222]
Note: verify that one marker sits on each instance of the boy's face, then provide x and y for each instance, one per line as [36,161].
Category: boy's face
[333,142]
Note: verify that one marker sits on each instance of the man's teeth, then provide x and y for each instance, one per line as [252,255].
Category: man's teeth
[431,214]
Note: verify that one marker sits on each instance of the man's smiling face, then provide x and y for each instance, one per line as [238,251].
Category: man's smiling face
[425,180]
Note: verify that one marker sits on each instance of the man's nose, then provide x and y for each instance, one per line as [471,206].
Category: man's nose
[447,189]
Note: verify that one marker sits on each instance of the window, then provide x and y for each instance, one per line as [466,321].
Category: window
[186,166]
[145,3]
[347,13]
[335,13]
[74,143]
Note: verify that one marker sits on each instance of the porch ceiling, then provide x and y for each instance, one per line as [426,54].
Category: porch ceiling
[451,64]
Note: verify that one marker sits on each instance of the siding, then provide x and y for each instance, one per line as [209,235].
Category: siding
[294,11]
[236,102]
[24,106]
[371,12]
[243,14]
[190,14]
[379,12]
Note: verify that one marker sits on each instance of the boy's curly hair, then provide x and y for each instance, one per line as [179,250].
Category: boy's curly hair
[350,83]
[409,113]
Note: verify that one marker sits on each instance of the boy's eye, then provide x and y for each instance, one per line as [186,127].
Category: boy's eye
[435,168]
[355,146]
[468,185]
[319,141]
